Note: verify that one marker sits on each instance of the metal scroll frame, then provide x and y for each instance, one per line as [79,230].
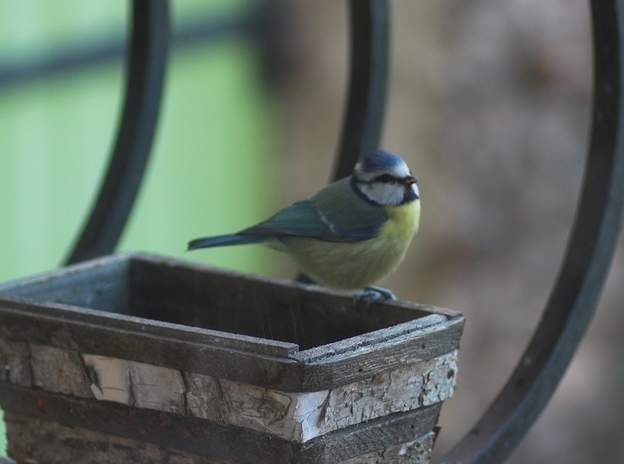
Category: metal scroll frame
[368,78]
[147,61]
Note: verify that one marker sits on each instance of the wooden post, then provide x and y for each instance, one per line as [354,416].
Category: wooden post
[143,359]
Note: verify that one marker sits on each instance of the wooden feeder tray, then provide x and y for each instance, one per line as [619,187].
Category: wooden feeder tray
[137,358]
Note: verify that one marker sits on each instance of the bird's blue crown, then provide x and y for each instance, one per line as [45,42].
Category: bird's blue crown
[380,160]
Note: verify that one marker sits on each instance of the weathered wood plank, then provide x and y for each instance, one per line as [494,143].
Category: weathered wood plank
[291,416]
[159,388]
[169,291]
[16,322]
[407,388]
[109,378]
[15,363]
[188,434]
[51,443]
[413,452]
[186,283]
[421,345]
[294,416]
[105,284]
[371,437]
[320,315]
[214,441]
[54,314]
[161,368]
[360,341]
[59,371]
[101,284]
[44,442]
[136,384]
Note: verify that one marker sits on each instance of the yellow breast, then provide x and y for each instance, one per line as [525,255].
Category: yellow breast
[402,221]
[356,265]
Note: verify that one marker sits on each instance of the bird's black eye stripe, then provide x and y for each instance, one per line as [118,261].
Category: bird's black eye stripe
[385,178]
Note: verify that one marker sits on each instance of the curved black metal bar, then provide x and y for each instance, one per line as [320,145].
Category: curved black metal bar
[144,83]
[368,78]
[573,299]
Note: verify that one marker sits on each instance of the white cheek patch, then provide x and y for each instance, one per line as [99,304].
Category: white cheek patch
[388,194]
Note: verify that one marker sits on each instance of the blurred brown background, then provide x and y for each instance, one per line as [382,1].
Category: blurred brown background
[490,105]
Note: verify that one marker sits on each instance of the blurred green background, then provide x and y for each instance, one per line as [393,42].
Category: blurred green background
[213,145]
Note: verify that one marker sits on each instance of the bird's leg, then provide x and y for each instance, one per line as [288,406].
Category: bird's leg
[386,294]
[373,293]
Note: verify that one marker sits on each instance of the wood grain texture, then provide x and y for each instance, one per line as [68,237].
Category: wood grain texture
[160,388]
[59,371]
[42,442]
[187,434]
[420,345]
[303,416]
[368,339]
[413,452]
[99,284]
[105,285]
[212,441]
[286,336]
[404,389]
[15,363]
[109,378]
[371,437]
[195,363]
[295,373]
[103,337]
[297,417]
[292,416]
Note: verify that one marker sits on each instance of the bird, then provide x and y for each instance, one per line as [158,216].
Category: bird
[350,234]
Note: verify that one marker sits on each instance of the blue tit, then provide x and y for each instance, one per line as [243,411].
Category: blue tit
[350,234]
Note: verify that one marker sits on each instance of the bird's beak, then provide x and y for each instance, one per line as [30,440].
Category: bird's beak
[411,184]
[409,180]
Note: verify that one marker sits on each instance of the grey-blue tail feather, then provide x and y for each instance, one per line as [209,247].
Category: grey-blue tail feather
[224,240]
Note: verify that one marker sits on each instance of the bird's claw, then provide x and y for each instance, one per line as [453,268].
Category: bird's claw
[373,294]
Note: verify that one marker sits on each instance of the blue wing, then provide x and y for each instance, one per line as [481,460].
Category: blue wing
[301,219]
[334,214]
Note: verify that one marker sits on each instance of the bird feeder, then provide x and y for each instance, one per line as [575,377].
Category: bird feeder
[138,358]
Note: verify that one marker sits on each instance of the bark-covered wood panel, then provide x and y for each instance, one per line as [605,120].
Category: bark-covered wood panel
[379,335]
[295,416]
[336,382]
[65,444]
